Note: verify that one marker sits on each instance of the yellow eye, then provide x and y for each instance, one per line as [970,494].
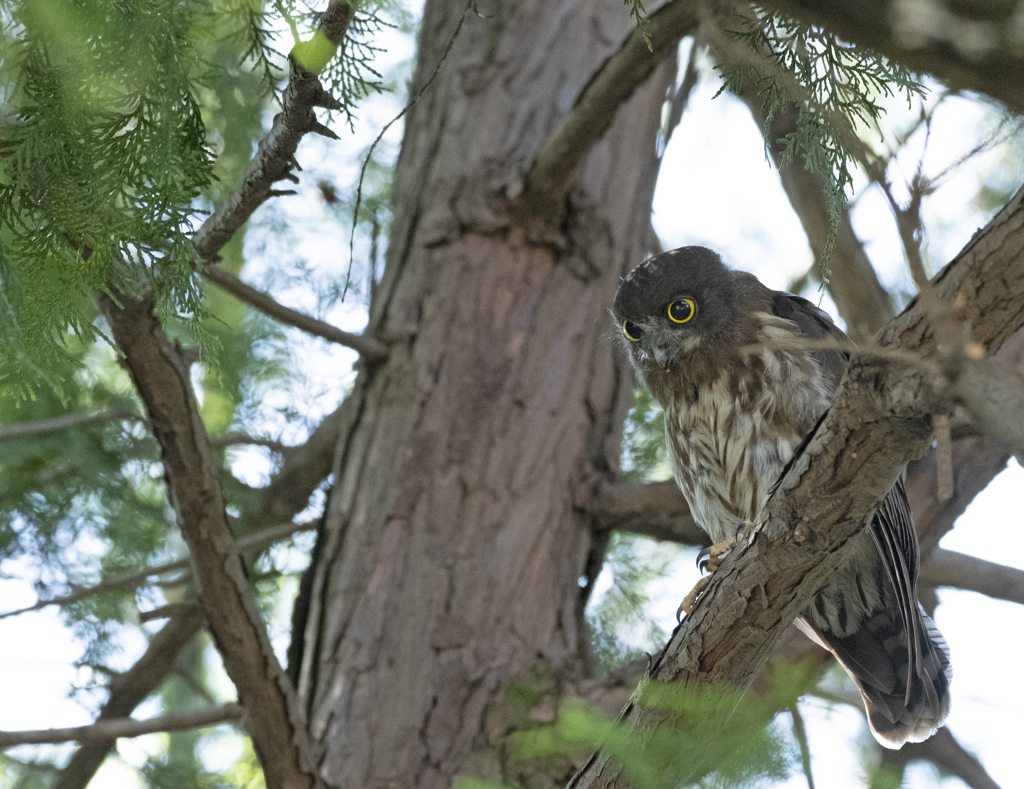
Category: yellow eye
[632,331]
[681,310]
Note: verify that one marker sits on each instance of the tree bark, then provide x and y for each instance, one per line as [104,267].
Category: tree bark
[456,552]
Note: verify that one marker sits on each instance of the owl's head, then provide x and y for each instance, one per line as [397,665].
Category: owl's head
[673,304]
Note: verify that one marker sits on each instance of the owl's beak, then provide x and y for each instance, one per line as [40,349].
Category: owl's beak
[663,356]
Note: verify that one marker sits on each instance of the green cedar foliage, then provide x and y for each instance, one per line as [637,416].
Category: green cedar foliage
[836,87]
[102,158]
[105,152]
[713,738]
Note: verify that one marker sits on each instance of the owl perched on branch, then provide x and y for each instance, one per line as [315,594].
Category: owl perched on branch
[720,352]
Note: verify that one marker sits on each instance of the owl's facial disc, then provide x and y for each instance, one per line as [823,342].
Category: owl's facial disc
[668,344]
[660,341]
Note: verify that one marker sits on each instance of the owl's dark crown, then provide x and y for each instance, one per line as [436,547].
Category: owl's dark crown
[687,272]
[677,304]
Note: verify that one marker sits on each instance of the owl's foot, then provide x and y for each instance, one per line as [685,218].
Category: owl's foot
[709,559]
[686,607]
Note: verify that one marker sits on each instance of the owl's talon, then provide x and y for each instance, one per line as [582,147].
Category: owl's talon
[710,558]
[686,607]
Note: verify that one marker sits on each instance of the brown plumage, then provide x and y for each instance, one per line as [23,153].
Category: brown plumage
[734,418]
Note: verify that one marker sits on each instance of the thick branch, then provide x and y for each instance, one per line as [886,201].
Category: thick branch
[656,510]
[275,156]
[943,749]
[124,727]
[995,400]
[244,439]
[551,174]
[368,347]
[193,481]
[303,469]
[880,419]
[975,49]
[130,689]
[949,568]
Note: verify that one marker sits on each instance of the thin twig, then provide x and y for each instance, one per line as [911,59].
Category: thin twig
[800,734]
[366,162]
[256,541]
[242,439]
[368,347]
[275,157]
[124,727]
[681,96]
[24,429]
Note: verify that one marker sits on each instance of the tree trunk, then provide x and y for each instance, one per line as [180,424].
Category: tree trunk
[457,552]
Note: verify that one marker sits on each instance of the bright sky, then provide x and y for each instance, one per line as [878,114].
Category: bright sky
[717,189]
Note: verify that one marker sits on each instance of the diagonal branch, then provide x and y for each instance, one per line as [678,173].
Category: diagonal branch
[258,541]
[879,420]
[26,429]
[275,156]
[302,470]
[123,727]
[944,750]
[162,379]
[130,689]
[959,571]
[862,301]
[368,347]
[551,174]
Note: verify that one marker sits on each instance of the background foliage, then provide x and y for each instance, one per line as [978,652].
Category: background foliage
[121,124]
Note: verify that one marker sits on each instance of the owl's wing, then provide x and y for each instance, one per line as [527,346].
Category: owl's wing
[902,665]
[897,656]
[815,324]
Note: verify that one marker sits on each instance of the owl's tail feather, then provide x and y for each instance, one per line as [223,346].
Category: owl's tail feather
[903,676]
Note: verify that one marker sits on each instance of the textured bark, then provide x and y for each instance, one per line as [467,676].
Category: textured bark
[161,376]
[457,530]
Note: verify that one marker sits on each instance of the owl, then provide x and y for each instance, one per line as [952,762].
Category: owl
[711,345]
